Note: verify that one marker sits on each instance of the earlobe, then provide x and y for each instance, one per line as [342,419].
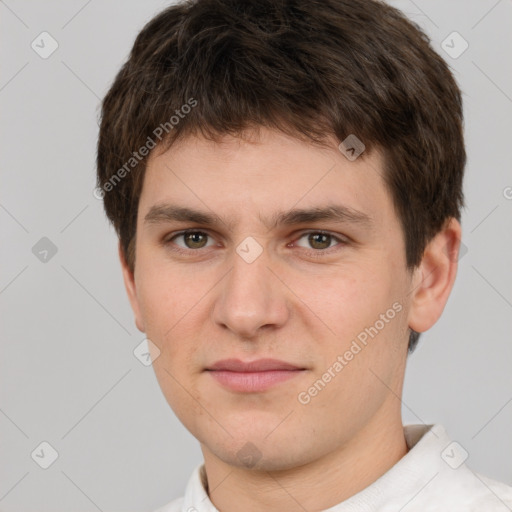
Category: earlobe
[433,279]
[131,289]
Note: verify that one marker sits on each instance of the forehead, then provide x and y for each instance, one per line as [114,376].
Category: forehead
[269,173]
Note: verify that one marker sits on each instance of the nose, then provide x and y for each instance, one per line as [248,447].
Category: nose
[251,298]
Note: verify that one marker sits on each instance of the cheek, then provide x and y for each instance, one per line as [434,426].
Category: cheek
[174,308]
[344,299]
[170,310]
[164,299]
[366,311]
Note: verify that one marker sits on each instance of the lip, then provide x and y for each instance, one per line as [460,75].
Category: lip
[252,376]
[259,365]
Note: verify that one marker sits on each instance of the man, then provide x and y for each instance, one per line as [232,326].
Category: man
[285,178]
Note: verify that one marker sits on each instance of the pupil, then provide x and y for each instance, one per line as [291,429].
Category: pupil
[195,239]
[319,240]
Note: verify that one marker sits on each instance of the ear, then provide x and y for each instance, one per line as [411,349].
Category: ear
[433,279]
[131,290]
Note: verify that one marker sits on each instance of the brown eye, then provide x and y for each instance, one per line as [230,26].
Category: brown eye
[319,240]
[191,240]
[195,240]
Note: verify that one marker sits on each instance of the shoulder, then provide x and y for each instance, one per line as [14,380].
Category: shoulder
[440,480]
[466,491]
[497,496]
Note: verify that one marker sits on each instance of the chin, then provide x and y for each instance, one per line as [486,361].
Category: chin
[246,450]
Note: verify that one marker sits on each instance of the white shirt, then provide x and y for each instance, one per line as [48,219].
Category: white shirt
[431,477]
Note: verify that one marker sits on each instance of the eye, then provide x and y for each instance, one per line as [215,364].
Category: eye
[319,240]
[191,240]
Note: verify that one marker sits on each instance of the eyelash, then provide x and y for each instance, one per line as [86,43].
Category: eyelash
[167,241]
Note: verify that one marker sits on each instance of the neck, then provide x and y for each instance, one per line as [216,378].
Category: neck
[315,486]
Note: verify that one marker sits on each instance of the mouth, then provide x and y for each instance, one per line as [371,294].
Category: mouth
[254,376]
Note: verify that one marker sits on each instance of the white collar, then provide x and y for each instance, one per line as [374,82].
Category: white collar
[432,473]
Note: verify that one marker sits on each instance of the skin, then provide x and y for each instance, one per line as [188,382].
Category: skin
[291,304]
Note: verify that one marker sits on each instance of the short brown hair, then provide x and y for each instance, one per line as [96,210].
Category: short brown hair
[310,68]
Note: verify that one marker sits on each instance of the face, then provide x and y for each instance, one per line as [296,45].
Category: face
[292,253]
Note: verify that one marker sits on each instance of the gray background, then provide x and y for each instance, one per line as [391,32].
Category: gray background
[68,373]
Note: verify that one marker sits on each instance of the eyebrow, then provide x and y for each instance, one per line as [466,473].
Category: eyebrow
[162,213]
[337,213]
